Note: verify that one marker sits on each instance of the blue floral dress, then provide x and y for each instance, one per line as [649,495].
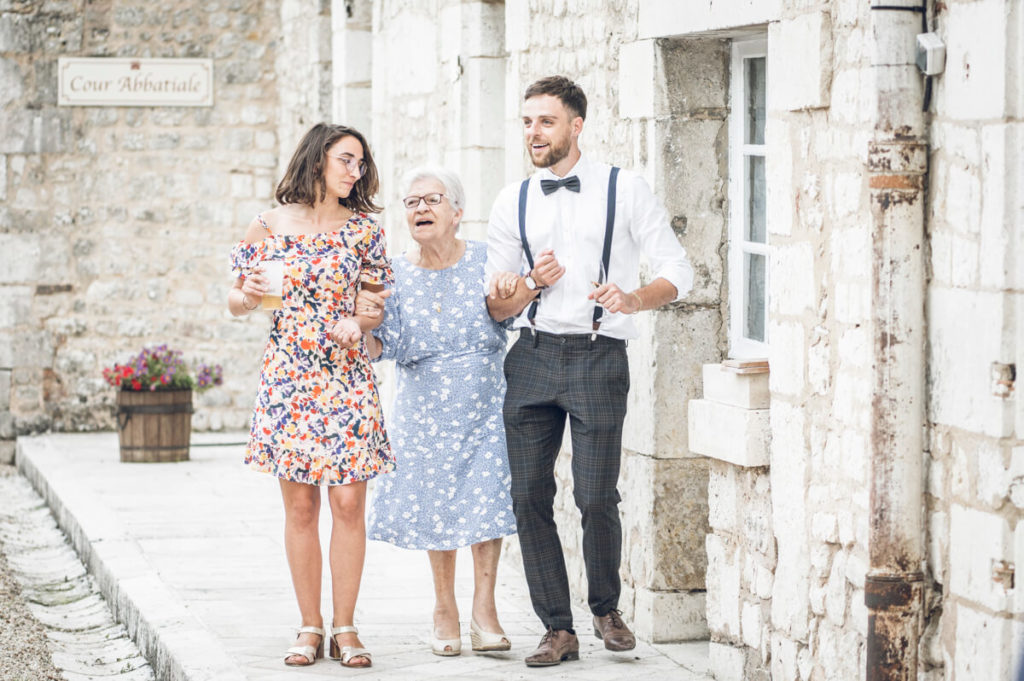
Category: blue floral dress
[452,485]
[318,418]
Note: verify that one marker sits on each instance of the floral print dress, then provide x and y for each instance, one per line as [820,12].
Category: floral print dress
[318,418]
[452,487]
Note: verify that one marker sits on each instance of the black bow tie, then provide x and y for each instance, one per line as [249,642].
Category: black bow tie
[571,183]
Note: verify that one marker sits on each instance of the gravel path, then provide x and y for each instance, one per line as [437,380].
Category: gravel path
[24,655]
[54,625]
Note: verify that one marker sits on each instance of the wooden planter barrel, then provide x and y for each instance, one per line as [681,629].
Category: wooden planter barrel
[155,426]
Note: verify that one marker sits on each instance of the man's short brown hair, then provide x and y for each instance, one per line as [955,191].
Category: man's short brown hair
[568,92]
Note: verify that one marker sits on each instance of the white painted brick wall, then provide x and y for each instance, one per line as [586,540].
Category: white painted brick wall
[784,654]
[789,609]
[984,647]
[723,595]
[1017,606]
[961,360]
[722,498]
[786,357]
[980,539]
[804,60]
[792,279]
[751,623]
[664,18]
[973,86]
[998,261]
[726,661]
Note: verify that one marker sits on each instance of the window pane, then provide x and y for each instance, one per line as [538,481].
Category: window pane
[754,272]
[755,87]
[755,199]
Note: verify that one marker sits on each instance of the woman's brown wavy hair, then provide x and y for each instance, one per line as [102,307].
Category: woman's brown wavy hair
[303,181]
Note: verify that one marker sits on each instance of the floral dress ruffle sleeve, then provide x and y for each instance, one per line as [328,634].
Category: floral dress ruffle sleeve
[389,333]
[246,256]
[375,264]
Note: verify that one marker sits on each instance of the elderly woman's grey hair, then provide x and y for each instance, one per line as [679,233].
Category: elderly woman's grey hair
[452,185]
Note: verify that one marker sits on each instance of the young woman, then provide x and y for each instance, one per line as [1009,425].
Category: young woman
[317,420]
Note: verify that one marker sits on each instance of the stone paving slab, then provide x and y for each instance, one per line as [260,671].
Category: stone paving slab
[190,555]
[84,640]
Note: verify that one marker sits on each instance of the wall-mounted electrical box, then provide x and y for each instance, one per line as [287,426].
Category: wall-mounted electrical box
[931,54]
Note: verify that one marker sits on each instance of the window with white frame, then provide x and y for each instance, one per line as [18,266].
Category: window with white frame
[748,236]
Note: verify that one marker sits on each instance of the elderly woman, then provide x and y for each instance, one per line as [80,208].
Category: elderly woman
[452,485]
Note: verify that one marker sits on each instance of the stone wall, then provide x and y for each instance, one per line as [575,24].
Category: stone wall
[794,608]
[437,100]
[975,490]
[819,126]
[116,222]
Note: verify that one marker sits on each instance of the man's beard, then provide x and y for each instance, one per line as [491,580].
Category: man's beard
[552,155]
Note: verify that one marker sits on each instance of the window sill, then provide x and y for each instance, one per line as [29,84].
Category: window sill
[731,422]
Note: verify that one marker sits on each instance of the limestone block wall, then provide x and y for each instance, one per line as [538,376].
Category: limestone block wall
[730,425]
[352,63]
[819,105]
[303,57]
[810,606]
[976,345]
[116,222]
[786,562]
[437,97]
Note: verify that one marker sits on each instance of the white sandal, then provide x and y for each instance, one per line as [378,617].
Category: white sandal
[347,653]
[445,647]
[487,641]
[311,653]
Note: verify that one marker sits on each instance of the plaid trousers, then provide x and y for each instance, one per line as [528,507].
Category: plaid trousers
[555,377]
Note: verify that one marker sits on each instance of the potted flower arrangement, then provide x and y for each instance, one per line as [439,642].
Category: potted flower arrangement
[154,403]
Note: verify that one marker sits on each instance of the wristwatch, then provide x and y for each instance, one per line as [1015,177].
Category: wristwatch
[531,283]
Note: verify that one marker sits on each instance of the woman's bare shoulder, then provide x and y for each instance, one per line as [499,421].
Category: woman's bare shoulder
[266,223]
[255,232]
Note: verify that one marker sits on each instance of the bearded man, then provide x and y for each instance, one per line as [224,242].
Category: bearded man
[569,240]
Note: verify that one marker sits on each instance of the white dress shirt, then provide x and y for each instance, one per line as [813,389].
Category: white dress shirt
[572,224]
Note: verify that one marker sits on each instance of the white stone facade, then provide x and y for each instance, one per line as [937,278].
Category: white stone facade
[746,497]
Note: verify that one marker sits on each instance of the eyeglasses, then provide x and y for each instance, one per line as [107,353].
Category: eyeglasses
[413,202]
[352,164]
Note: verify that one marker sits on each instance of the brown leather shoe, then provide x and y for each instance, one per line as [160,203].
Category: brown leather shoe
[614,631]
[555,647]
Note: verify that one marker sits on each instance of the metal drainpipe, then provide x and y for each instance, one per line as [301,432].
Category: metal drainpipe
[897,166]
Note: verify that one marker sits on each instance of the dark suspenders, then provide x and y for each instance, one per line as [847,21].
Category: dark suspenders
[606,251]
[523,188]
[609,227]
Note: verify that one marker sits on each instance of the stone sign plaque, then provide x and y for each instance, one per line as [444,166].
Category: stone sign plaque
[103,81]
